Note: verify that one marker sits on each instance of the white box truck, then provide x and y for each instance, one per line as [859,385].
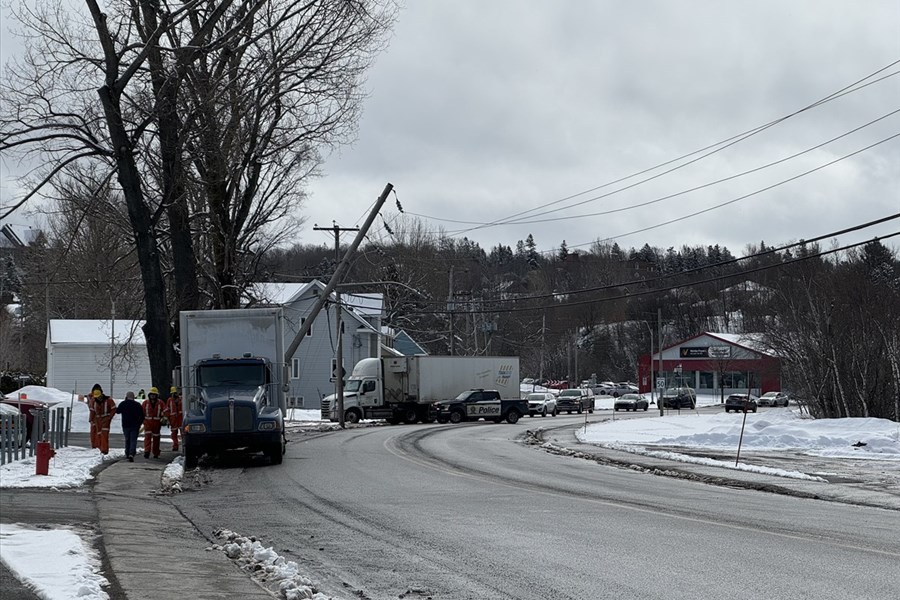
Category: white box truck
[402,389]
[233,382]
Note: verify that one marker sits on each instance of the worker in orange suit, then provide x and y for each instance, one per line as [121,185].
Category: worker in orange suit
[174,414]
[102,411]
[154,410]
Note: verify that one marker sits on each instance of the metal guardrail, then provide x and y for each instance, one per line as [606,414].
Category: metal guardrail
[52,425]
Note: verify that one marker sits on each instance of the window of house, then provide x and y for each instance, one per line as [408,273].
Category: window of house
[295,368]
[302,321]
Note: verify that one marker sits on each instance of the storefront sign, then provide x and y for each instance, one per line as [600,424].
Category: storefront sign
[720,351]
[693,352]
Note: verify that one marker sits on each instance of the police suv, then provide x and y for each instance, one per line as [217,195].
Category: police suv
[477,404]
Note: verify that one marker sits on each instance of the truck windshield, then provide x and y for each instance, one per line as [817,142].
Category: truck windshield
[231,375]
[353,385]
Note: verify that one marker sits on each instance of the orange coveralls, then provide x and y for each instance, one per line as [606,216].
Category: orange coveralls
[153,412]
[102,411]
[174,415]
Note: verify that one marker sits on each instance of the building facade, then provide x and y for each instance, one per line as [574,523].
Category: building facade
[713,363]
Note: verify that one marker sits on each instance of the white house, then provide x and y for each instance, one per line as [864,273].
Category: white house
[81,353]
[313,364]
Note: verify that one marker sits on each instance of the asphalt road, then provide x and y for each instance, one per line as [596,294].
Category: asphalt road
[468,511]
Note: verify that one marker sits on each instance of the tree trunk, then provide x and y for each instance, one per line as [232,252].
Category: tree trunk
[156,327]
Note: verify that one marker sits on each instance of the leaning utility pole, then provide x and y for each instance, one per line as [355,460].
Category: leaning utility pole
[339,353]
[336,278]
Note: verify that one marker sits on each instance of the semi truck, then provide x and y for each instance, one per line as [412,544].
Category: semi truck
[233,382]
[403,388]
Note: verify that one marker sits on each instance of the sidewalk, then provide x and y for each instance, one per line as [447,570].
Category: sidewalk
[153,550]
[848,493]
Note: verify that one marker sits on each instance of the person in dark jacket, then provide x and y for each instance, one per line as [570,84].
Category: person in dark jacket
[132,419]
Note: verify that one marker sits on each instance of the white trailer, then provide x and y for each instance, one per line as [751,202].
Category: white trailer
[403,388]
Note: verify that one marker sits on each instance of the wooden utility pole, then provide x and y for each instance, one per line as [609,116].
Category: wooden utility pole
[339,352]
[450,307]
[335,279]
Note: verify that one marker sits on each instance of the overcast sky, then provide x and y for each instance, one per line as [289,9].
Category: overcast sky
[480,110]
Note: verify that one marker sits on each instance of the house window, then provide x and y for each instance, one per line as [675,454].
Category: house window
[295,368]
[308,331]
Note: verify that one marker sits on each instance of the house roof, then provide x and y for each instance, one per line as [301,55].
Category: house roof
[17,236]
[88,331]
[367,305]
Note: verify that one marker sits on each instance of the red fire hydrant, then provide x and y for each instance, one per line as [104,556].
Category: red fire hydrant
[43,455]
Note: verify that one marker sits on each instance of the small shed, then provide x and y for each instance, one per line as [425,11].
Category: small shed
[83,352]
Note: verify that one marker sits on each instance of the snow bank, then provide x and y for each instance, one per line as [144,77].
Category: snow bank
[71,467]
[55,563]
[276,574]
[773,430]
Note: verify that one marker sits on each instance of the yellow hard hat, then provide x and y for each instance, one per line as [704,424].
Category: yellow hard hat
[153,390]
[173,390]
[96,394]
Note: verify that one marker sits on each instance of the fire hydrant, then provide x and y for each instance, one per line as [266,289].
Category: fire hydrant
[43,455]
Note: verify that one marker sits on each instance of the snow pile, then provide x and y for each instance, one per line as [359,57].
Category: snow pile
[44,394]
[267,567]
[71,467]
[773,430]
[172,476]
[55,563]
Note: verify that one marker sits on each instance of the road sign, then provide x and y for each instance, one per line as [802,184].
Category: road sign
[660,382]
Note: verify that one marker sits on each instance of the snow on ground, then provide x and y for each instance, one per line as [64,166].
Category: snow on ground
[56,563]
[775,430]
[71,467]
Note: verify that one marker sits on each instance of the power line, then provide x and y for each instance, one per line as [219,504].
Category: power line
[712,148]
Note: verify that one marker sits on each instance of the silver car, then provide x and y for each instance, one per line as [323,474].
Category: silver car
[773,399]
[541,403]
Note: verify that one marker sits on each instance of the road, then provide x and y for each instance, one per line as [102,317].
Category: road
[467,511]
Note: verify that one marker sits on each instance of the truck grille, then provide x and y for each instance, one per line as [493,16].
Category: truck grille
[243,419]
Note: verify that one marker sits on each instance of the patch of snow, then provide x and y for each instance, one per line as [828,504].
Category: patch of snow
[172,476]
[56,563]
[71,467]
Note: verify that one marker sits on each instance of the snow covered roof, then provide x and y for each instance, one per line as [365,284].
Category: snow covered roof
[88,331]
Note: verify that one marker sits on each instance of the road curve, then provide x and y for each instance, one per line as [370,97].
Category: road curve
[469,511]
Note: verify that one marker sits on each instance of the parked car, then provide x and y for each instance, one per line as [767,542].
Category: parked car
[577,400]
[631,402]
[541,403]
[680,397]
[773,399]
[622,388]
[741,403]
[605,388]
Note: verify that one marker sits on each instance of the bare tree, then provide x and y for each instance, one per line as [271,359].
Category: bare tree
[208,114]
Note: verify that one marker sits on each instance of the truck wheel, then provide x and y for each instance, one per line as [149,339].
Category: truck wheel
[579,409]
[410,415]
[512,417]
[191,458]
[456,416]
[352,416]
[276,454]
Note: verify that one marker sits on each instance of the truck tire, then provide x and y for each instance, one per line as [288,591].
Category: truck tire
[457,416]
[352,416]
[276,454]
[512,417]
[191,457]
[410,415]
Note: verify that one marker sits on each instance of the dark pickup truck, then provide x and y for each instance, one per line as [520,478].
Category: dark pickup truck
[479,404]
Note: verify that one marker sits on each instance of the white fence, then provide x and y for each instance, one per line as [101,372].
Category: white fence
[17,442]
